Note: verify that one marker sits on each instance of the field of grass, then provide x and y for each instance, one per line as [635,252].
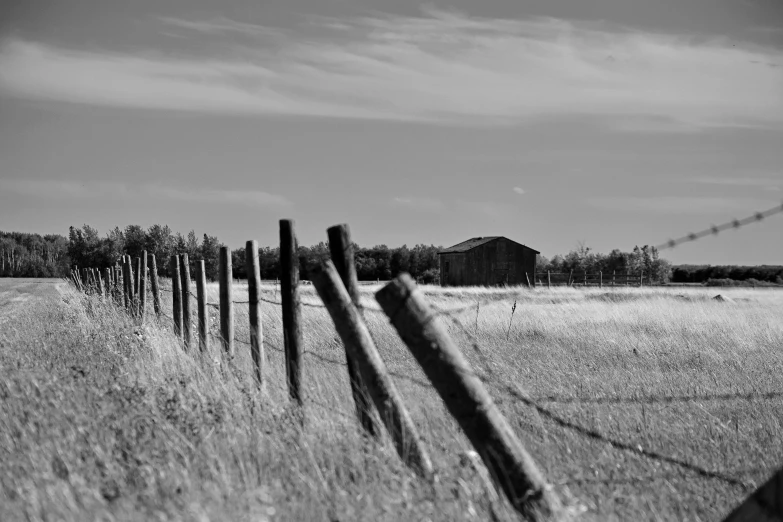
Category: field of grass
[102,419]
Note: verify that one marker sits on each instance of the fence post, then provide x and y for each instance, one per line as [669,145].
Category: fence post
[512,468]
[176,294]
[203,318]
[226,301]
[126,283]
[570,277]
[131,286]
[548,280]
[98,282]
[143,285]
[362,350]
[613,274]
[187,317]
[85,280]
[600,279]
[641,279]
[342,255]
[119,290]
[292,313]
[107,281]
[585,283]
[254,309]
[527,278]
[153,267]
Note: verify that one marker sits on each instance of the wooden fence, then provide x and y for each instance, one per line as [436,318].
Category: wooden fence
[598,279]
[378,404]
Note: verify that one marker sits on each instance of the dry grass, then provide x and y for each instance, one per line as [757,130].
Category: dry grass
[99,417]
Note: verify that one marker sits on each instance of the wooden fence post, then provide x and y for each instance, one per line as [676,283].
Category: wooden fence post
[512,468]
[548,280]
[341,250]
[226,301]
[527,279]
[176,294]
[613,274]
[585,283]
[154,286]
[203,317]
[131,286]
[85,280]
[187,317]
[600,279]
[292,313]
[254,309]
[641,279]
[98,282]
[143,286]
[362,350]
[126,287]
[570,277]
[107,278]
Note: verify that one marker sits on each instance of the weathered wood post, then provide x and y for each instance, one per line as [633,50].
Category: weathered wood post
[366,359]
[600,279]
[585,282]
[341,250]
[527,279]
[126,287]
[107,278]
[614,272]
[98,282]
[548,280]
[85,280]
[226,301]
[511,467]
[570,277]
[203,317]
[131,286]
[292,313]
[176,293]
[154,283]
[187,317]
[143,285]
[136,278]
[254,310]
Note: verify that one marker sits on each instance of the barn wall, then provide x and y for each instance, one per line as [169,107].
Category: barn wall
[496,263]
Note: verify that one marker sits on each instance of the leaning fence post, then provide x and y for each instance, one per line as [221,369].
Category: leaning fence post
[512,468]
[362,350]
[342,255]
[154,283]
[527,278]
[570,277]
[289,293]
[176,293]
[201,294]
[98,282]
[254,309]
[187,324]
[143,285]
[85,280]
[226,301]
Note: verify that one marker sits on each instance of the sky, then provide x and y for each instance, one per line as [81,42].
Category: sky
[610,123]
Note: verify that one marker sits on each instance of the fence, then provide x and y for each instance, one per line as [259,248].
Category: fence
[598,279]
[378,405]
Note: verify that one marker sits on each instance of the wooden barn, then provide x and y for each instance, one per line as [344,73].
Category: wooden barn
[487,261]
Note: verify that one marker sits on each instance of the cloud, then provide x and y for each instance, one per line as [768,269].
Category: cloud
[59,189]
[739,181]
[679,204]
[440,68]
[418,203]
[79,189]
[519,190]
[488,209]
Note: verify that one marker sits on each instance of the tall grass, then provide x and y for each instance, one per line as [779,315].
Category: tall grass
[101,417]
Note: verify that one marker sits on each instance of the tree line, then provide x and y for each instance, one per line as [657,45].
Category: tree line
[33,255]
[585,259]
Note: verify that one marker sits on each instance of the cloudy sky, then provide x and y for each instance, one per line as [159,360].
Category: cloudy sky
[552,122]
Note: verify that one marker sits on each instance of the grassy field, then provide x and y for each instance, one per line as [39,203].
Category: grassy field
[102,419]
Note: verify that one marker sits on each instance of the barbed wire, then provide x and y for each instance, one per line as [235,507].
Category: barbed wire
[515,391]
[716,229]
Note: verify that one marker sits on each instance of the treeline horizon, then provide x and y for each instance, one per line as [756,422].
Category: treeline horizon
[53,255]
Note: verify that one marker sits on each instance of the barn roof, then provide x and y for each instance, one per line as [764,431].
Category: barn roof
[474,242]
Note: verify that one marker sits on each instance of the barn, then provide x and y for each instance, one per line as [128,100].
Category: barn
[487,261]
